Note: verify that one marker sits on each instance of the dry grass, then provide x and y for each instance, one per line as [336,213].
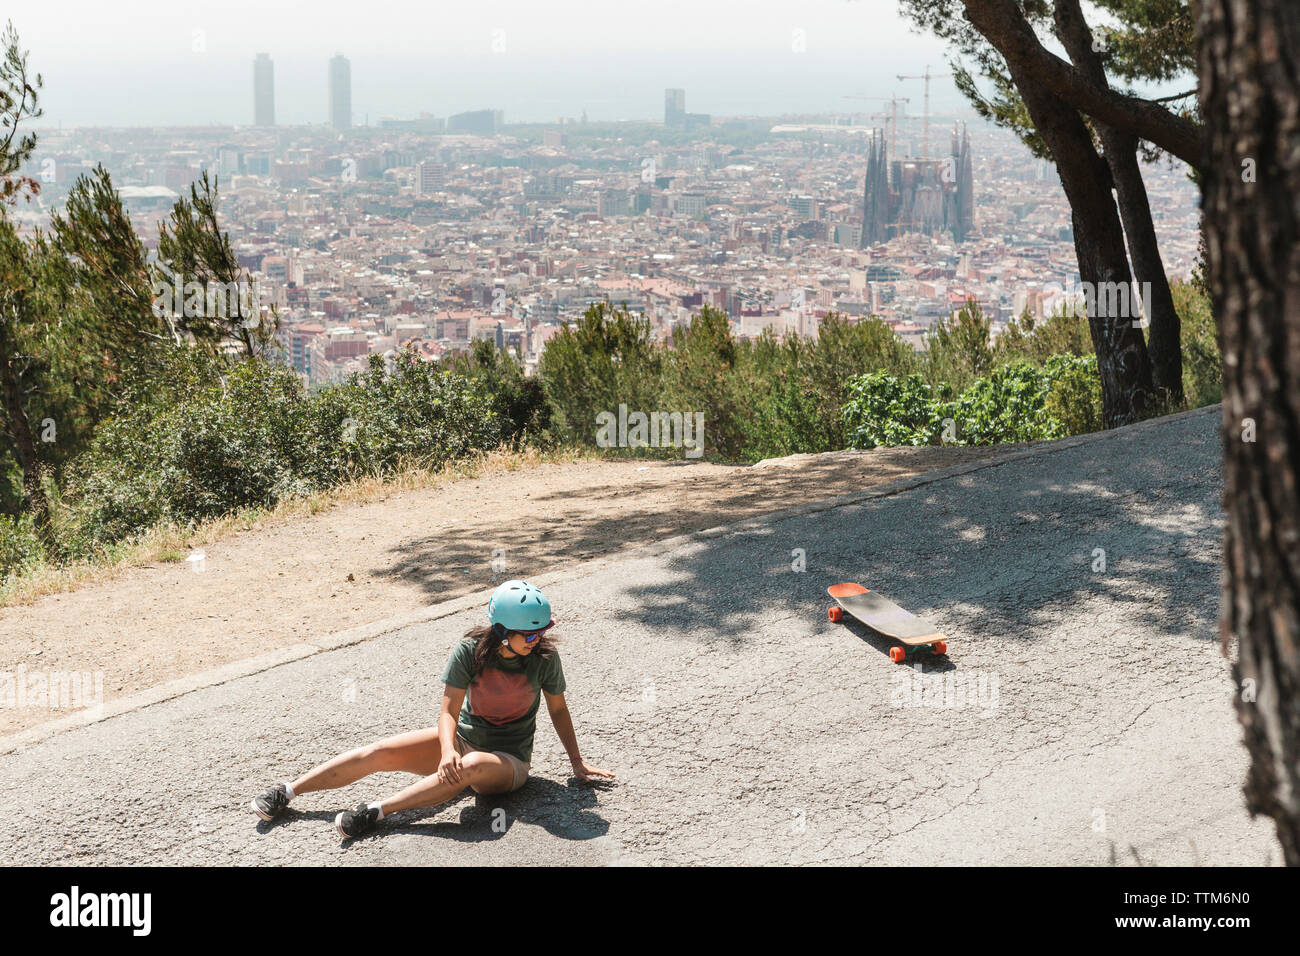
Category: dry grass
[170,542]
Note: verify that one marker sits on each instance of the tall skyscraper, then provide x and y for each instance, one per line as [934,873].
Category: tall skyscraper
[340,92]
[263,90]
[674,107]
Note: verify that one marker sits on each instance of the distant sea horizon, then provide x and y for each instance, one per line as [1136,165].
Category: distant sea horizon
[218,91]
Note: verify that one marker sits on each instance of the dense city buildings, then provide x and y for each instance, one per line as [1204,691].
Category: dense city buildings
[431,233]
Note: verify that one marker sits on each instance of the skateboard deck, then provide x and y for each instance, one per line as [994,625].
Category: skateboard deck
[885,617]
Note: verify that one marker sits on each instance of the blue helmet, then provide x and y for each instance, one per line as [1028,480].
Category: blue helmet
[518,606]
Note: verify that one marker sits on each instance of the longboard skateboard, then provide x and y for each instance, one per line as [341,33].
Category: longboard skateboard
[885,617]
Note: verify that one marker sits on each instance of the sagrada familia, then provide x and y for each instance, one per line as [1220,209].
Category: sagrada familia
[918,195]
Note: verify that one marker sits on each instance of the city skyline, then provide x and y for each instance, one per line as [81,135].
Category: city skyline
[439,235]
[536,91]
[179,67]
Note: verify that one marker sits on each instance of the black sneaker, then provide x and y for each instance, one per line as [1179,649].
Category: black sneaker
[272,803]
[353,823]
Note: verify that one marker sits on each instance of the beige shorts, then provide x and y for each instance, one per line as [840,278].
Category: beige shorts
[520,768]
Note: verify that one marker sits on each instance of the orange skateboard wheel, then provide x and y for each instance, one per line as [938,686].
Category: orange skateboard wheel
[897,655]
[941,647]
[836,614]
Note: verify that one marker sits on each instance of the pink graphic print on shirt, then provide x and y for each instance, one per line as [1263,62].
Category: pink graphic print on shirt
[499,697]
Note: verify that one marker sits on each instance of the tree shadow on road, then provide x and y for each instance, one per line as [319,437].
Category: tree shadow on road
[458,560]
[1131,524]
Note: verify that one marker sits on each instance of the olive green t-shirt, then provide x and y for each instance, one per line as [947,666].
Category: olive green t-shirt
[500,709]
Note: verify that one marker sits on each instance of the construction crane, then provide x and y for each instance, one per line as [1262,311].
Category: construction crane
[927,76]
[893,130]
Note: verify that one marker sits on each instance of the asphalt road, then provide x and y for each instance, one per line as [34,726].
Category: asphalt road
[1083,714]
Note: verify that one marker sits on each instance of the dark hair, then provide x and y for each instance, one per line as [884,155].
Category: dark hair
[487,645]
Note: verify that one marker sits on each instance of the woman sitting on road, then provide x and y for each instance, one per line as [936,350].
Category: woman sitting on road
[498,673]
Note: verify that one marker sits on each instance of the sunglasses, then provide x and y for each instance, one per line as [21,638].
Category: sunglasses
[531,637]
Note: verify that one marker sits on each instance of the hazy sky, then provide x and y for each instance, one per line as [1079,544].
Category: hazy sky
[156,62]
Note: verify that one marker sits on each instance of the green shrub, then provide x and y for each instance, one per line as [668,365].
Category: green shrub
[518,400]
[785,414]
[843,349]
[699,374]
[774,396]
[760,398]
[258,437]
[1202,361]
[12,500]
[885,409]
[19,544]
[1074,396]
[1028,339]
[413,414]
[1009,405]
[1016,402]
[215,450]
[605,359]
[958,349]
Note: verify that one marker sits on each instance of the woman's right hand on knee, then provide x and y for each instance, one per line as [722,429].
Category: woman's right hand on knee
[449,768]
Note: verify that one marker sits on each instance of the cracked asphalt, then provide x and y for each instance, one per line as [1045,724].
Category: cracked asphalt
[1083,714]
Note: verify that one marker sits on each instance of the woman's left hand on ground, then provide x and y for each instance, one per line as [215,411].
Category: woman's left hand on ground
[585,771]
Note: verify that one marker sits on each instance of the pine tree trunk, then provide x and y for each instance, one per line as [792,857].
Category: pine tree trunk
[1164,336]
[1165,331]
[1250,96]
[1122,358]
